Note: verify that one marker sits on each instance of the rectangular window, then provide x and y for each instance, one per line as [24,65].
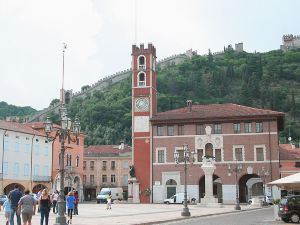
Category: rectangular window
[259,154]
[46,151]
[35,170]
[5,168]
[217,129]
[26,169]
[84,179]
[113,165]
[27,148]
[113,178]
[92,165]
[84,165]
[17,147]
[237,128]
[36,149]
[180,129]
[6,146]
[92,179]
[16,169]
[125,180]
[104,165]
[297,164]
[45,171]
[125,164]
[159,131]
[218,155]
[259,127]
[170,130]
[238,154]
[248,128]
[160,156]
[200,129]
[200,154]
[104,178]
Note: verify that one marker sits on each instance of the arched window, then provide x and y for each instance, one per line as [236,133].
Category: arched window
[70,160]
[141,79]
[209,152]
[142,62]
[77,161]
[171,182]
[67,164]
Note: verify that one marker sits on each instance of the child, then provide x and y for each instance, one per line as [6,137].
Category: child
[108,206]
[7,207]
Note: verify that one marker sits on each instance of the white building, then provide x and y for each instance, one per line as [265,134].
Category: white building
[26,157]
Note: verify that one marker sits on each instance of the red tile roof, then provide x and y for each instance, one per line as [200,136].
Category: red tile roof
[106,149]
[288,152]
[18,127]
[215,112]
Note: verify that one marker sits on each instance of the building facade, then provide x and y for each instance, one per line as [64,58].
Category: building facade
[289,159]
[289,42]
[105,166]
[232,134]
[26,158]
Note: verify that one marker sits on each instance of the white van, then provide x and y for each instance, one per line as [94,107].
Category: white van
[116,193]
[178,198]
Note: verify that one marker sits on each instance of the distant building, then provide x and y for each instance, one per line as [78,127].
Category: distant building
[239,47]
[105,166]
[289,159]
[26,158]
[289,42]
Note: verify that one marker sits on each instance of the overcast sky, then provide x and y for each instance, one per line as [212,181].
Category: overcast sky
[100,33]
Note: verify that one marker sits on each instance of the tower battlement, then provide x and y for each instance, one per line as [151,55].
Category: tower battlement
[290,41]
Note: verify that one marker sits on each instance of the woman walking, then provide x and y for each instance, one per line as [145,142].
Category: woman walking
[44,204]
[54,201]
[76,202]
[70,205]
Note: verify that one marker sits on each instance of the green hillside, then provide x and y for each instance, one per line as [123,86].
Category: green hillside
[12,110]
[265,80]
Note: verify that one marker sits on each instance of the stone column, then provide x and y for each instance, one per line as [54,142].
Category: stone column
[133,190]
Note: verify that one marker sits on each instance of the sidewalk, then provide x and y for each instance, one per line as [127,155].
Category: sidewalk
[123,214]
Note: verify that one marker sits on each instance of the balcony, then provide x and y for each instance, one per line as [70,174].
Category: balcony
[113,168]
[41,178]
[89,184]
[70,169]
[103,167]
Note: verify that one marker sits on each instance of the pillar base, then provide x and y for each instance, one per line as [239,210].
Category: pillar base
[185,212]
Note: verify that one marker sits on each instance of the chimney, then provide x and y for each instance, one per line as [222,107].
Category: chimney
[189,104]
[122,145]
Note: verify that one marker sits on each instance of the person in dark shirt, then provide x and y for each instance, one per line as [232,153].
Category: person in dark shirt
[14,197]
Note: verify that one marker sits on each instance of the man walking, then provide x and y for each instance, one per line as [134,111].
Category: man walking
[14,197]
[27,204]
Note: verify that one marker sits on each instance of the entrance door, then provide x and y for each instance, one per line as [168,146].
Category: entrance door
[171,191]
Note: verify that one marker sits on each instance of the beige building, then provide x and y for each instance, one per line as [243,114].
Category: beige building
[105,166]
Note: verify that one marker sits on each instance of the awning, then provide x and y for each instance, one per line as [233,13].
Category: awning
[291,182]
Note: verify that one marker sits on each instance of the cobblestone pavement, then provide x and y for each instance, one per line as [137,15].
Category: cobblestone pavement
[96,214]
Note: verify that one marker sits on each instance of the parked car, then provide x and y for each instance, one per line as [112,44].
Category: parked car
[178,198]
[258,199]
[289,209]
[3,198]
[116,194]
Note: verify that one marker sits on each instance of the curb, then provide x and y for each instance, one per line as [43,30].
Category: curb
[193,217]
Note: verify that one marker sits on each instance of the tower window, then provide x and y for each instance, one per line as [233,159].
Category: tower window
[142,79]
[142,62]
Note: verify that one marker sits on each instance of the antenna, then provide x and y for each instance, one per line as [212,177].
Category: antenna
[135,22]
[63,75]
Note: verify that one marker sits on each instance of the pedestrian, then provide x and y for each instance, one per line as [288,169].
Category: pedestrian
[27,206]
[14,197]
[108,205]
[44,205]
[76,202]
[7,209]
[70,205]
[54,201]
[38,195]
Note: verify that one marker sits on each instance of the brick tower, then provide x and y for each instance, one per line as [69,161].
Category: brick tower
[143,107]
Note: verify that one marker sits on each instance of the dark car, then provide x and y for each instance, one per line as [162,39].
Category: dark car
[289,209]
[3,198]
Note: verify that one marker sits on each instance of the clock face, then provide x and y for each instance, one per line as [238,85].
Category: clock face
[142,104]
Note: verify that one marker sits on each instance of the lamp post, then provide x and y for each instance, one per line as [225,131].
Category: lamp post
[188,157]
[235,168]
[64,133]
[263,174]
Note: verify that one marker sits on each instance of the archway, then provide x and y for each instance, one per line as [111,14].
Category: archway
[38,187]
[246,183]
[217,188]
[11,186]
[171,187]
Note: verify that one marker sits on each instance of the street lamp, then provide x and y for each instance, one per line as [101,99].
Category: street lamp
[263,174]
[64,133]
[188,157]
[235,168]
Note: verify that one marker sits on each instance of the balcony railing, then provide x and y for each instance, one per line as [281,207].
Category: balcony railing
[90,184]
[41,178]
[70,169]
[103,167]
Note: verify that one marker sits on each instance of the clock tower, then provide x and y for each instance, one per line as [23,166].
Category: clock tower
[143,107]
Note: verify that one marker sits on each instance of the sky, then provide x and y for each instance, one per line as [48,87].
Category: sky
[100,33]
